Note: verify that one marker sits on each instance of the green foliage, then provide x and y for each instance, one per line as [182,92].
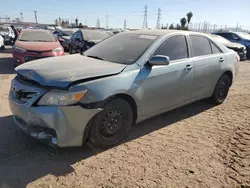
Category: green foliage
[178,27]
[183,22]
[171,26]
[189,17]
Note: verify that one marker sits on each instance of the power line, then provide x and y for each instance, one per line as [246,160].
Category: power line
[158,24]
[35,15]
[145,19]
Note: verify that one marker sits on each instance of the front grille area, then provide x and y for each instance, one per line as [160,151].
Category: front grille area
[31,58]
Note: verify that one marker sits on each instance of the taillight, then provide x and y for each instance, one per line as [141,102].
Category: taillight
[238,58]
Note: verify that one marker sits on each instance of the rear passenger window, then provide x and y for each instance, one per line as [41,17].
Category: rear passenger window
[201,46]
[215,49]
[174,47]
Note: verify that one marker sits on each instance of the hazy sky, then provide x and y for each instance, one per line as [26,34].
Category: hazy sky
[220,12]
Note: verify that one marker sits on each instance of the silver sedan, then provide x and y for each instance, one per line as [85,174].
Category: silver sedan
[98,95]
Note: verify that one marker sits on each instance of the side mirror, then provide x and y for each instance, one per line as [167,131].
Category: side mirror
[159,60]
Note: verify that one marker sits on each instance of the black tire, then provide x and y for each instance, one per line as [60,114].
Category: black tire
[221,89]
[70,50]
[111,125]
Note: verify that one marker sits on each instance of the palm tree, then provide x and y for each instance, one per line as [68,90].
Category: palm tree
[183,22]
[189,17]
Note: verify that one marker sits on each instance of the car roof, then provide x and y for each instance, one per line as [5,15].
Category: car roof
[163,32]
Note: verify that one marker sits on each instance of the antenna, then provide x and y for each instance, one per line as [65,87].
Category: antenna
[145,20]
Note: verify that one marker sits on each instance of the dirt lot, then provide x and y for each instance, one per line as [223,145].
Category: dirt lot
[199,145]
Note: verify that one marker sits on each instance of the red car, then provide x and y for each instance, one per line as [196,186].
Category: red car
[35,44]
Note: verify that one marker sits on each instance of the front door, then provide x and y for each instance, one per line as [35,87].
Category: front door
[167,86]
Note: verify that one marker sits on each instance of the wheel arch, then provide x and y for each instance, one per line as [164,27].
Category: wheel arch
[129,99]
[230,75]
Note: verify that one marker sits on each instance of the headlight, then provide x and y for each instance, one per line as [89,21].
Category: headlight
[61,98]
[58,51]
[19,50]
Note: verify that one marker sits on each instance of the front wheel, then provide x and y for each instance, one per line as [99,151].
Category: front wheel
[70,49]
[221,89]
[111,125]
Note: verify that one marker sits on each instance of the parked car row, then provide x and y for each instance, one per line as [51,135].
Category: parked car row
[239,48]
[7,33]
[237,37]
[1,42]
[97,96]
[35,44]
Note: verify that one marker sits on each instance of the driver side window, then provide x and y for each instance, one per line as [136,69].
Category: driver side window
[174,47]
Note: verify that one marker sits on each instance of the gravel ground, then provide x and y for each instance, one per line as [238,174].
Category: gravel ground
[199,145]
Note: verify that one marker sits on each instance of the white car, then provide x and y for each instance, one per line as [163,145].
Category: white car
[1,42]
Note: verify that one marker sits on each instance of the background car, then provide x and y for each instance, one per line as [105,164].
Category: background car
[35,44]
[124,79]
[8,34]
[238,37]
[83,39]
[239,48]
[1,42]
[63,36]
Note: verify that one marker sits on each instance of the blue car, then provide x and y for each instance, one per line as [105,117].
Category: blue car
[238,37]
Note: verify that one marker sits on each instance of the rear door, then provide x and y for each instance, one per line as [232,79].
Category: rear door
[168,85]
[209,61]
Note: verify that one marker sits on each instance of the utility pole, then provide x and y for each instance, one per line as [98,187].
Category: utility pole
[107,21]
[158,24]
[98,23]
[145,20]
[21,16]
[237,26]
[125,24]
[35,15]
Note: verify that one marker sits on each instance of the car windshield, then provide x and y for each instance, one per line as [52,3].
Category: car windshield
[95,35]
[244,35]
[4,29]
[124,48]
[220,39]
[37,36]
[67,32]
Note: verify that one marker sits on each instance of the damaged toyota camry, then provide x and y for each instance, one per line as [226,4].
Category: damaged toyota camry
[98,95]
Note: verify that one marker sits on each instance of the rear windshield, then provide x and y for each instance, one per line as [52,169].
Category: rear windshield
[67,32]
[244,35]
[37,36]
[95,35]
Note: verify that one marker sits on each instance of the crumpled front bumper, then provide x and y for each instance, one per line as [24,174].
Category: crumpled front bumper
[62,126]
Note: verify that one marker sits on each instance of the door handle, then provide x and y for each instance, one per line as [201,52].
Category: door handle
[188,67]
[221,59]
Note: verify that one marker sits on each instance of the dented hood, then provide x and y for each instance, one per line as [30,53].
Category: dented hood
[62,71]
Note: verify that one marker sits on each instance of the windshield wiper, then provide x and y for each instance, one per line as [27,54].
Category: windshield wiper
[95,57]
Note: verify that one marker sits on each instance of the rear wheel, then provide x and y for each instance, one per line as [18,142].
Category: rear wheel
[111,125]
[221,89]
[70,50]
